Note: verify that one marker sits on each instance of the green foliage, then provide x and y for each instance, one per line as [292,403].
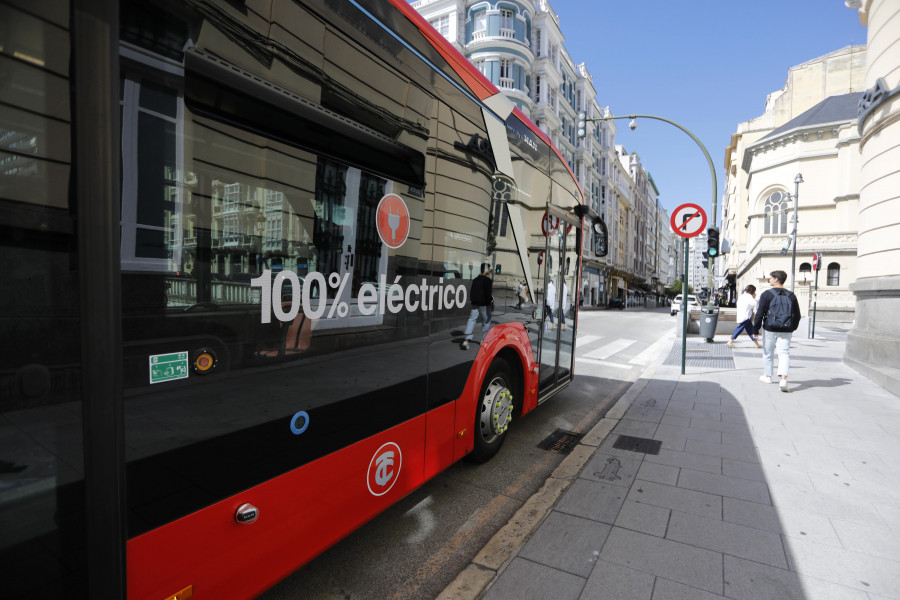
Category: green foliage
[675,288]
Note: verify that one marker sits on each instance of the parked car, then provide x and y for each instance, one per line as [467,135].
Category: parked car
[676,303]
[617,303]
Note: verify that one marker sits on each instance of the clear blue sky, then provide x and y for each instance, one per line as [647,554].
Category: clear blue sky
[706,64]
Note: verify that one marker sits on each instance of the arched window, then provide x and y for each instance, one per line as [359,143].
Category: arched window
[834,274]
[805,272]
[776,208]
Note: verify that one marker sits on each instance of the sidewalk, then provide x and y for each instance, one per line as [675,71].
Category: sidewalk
[752,493]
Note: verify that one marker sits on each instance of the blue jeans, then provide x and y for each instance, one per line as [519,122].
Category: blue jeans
[780,340]
[745,326]
[485,313]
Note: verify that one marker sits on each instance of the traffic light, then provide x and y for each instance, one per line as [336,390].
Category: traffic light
[497,269]
[712,241]
[582,125]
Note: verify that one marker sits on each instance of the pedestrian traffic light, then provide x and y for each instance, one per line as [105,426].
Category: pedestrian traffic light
[497,269]
[582,125]
[712,241]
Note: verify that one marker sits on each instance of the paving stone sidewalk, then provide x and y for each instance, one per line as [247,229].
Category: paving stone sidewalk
[754,493]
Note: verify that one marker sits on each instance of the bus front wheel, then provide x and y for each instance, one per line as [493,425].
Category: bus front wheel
[494,411]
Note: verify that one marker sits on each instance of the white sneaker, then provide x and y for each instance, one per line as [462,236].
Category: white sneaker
[465,346]
[765,379]
[783,385]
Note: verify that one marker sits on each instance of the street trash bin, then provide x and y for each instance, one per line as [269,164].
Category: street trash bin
[709,318]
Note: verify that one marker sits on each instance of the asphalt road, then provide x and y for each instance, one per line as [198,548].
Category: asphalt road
[416,548]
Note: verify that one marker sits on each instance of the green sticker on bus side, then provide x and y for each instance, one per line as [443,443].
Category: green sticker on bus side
[168,367]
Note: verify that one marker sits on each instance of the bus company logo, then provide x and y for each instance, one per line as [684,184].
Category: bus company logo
[384,469]
[392,220]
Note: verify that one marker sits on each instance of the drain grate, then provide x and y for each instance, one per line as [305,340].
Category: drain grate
[636,444]
[560,441]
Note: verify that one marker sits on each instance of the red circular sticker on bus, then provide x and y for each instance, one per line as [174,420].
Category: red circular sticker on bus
[384,469]
[392,220]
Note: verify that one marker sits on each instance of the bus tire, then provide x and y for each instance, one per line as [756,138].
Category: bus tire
[493,411]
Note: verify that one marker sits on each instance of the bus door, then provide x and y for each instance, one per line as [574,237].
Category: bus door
[560,295]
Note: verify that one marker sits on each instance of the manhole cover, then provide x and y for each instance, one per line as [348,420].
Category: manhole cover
[561,441]
[636,444]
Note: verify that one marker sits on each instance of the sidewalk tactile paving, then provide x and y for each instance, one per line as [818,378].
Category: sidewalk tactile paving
[701,354]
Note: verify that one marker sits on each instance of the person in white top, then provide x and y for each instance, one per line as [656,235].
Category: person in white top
[550,300]
[746,305]
[562,307]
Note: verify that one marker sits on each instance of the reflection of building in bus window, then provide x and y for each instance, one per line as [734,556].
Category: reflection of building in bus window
[344,232]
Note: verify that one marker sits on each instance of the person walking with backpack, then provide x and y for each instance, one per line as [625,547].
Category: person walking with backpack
[777,317]
[481,298]
[746,304]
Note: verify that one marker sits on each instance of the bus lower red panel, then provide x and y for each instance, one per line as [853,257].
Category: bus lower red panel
[301,514]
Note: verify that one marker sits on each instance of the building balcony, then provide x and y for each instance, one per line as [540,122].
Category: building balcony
[505,41]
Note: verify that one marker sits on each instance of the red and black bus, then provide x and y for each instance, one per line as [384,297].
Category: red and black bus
[238,239]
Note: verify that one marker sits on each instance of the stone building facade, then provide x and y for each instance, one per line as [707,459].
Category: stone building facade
[873,343]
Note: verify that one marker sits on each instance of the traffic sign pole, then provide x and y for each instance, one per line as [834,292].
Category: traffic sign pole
[817,265]
[684,315]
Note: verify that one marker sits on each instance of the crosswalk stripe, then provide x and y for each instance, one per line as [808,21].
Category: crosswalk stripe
[647,355]
[594,361]
[584,340]
[608,350]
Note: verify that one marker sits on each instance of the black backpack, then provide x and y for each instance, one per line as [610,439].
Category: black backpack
[780,314]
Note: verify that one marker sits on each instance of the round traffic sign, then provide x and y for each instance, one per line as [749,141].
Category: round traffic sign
[549,224]
[688,220]
[815,262]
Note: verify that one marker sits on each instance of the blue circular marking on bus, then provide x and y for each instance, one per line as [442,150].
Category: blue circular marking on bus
[298,430]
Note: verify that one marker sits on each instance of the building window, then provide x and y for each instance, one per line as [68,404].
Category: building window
[506,19]
[537,90]
[481,21]
[507,80]
[480,65]
[805,271]
[776,213]
[442,25]
[834,274]
[537,43]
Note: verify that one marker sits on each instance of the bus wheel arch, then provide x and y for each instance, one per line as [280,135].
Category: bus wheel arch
[499,399]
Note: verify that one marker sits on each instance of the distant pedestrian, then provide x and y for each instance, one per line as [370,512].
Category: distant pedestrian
[481,299]
[746,305]
[521,291]
[777,316]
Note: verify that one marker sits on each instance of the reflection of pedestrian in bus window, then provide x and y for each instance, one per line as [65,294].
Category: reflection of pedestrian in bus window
[562,307]
[549,301]
[480,298]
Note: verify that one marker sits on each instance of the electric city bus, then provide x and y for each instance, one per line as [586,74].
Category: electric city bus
[238,240]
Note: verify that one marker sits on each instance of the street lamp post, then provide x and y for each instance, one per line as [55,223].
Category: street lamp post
[582,132]
[797,181]
[582,121]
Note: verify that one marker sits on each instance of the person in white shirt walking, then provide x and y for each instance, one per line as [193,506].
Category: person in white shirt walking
[746,305]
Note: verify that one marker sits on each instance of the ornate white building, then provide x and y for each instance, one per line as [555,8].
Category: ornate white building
[519,46]
[809,128]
